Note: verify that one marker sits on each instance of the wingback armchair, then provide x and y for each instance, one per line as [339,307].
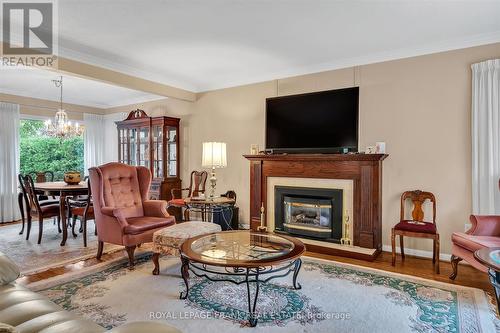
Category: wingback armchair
[123,213]
[484,232]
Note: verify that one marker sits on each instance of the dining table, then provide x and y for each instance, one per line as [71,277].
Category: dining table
[62,190]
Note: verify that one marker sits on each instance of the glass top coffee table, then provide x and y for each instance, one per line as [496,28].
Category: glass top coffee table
[241,257]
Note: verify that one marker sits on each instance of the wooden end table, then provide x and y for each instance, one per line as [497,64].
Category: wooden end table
[241,257]
[483,256]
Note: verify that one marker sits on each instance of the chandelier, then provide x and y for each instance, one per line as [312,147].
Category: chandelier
[61,127]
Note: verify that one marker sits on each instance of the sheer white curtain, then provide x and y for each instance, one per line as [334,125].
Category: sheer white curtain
[9,161]
[486,137]
[94,140]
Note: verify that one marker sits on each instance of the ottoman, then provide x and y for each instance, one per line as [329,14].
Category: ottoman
[169,240]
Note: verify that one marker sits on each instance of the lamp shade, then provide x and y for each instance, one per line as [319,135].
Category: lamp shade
[214,155]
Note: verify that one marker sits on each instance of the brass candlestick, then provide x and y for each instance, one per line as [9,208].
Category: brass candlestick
[346,240]
[262,227]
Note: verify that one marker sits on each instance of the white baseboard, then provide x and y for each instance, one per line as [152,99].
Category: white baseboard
[418,253]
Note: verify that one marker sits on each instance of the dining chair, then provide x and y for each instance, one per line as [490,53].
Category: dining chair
[197,184]
[416,227]
[82,208]
[24,201]
[36,210]
[42,177]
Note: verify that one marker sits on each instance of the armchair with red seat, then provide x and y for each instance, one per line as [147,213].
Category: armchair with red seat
[123,213]
[485,232]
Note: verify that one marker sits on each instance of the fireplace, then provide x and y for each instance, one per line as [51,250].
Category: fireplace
[314,213]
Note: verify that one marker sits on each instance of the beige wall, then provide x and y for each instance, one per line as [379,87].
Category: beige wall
[420,106]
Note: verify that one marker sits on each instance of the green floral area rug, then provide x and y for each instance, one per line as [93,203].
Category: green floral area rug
[334,298]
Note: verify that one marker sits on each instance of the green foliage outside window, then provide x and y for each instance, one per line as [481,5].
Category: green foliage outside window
[43,153]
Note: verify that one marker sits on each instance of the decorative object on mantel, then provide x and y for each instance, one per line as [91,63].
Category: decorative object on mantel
[380,147]
[370,150]
[254,149]
[72,177]
[214,156]
[62,126]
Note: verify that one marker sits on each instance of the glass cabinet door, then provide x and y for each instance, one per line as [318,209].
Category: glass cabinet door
[123,145]
[143,147]
[158,151]
[172,151]
[132,148]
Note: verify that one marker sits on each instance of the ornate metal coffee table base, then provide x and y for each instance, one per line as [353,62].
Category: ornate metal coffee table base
[239,276]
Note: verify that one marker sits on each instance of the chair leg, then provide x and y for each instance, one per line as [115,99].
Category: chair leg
[156,261]
[434,251]
[437,254]
[40,229]
[28,225]
[186,214]
[84,223]
[393,243]
[130,252]
[100,248]
[58,225]
[20,198]
[73,226]
[401,245]
[454,265]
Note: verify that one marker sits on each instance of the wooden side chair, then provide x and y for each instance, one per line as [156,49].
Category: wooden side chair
[36,210]
[81,208]
[197,183]
[24,203]
[416,227]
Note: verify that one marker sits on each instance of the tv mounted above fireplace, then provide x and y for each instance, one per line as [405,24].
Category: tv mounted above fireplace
[319,122]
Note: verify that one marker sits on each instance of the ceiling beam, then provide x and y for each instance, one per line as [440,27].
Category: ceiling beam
[96,73]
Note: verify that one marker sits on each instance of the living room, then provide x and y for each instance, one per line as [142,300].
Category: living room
[421,172]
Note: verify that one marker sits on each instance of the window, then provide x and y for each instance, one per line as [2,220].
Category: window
[42,153]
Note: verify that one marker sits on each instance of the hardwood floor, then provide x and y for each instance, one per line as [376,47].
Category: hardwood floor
[419,267]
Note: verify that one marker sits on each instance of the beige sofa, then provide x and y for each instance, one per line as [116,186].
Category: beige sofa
[25,311]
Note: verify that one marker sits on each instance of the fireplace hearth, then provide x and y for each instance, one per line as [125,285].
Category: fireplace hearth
[314,213]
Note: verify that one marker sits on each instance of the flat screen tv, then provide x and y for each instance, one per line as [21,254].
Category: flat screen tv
[319,122]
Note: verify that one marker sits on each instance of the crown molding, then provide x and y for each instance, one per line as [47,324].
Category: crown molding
[448,45]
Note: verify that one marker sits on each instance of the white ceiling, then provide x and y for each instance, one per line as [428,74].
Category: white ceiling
[207,44]
[37,83]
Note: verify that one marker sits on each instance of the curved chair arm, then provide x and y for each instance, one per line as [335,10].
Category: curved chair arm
[484,225]
[177,192]
[155,208]
[116,213]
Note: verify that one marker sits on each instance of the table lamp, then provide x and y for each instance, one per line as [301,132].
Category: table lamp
[214,156]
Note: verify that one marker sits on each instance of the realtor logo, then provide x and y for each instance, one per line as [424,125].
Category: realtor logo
[28,33]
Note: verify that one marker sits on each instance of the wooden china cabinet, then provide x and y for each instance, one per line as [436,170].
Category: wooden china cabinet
[152,142]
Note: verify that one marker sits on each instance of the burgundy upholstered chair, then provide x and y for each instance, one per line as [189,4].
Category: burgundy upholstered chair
[123,213]
[484,232]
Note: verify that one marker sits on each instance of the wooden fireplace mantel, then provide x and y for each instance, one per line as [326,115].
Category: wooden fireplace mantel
[364,169]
